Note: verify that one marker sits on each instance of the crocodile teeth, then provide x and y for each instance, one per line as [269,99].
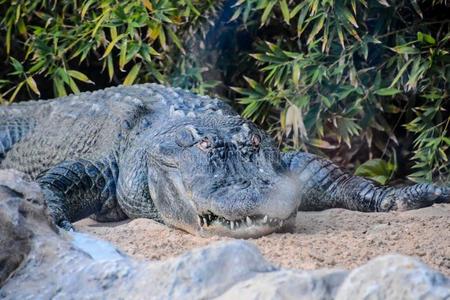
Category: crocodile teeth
[207,220]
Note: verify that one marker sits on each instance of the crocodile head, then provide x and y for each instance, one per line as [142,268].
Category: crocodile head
[221,177]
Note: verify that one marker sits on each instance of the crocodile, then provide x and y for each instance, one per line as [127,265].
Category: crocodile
[188,161]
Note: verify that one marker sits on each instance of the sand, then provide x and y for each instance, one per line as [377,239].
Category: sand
[334,238]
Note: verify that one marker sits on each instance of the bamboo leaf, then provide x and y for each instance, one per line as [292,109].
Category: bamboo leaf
[33,86]
[267,12]
[285,11]
[301,26]
[110,68]
[405,50]
[400,73]
[353,2]
[251,82]
[296,9]
[192,7]
[18,9]
[131,77]
[349,16]
[153,32]
[62,74]
[296,73]
[384,3]
[314,4]
[8,40]
[22,28]
[175,39]
[99,23]
[85,8]
[113,32]
[18,67]
[111,45]
[162,38]
[316,29]
[78,75]
[73,86]
[123,55]
[340,36]
[236,15]
[59,87]
[16,91]
[417,8]
[148,5]
[387,91]
[446,140]
[239,2]
[322,144]
[429,39]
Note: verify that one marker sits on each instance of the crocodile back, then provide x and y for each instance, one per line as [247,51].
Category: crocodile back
[38,134]
[35,135]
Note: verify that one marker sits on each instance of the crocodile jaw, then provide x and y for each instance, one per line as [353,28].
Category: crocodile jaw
[248,227]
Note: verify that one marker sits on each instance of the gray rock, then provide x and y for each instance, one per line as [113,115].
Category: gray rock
[289,284]
[394,277]
[210,271]
[14,237]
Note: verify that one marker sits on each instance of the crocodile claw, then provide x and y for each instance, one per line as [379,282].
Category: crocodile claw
[420,195]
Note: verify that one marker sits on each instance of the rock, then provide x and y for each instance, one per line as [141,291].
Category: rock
[208,272]
[394,277]
[15,238]
[289,284]
[38,261]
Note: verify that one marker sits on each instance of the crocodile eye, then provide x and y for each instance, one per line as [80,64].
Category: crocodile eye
[256,140]
[184,138]
[204,144]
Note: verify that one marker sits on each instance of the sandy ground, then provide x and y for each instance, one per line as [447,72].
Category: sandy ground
[334,238]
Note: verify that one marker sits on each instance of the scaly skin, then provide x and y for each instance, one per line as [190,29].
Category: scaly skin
[184,160]
[324,185]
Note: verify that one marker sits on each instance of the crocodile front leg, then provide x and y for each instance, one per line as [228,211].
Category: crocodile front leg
[324,185]
[76,189]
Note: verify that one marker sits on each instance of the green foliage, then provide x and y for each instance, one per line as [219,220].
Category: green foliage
[128,41]
[353,73]
[376,169]
[353,79]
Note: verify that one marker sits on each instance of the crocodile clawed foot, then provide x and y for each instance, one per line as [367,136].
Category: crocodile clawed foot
[443,195]
[418,196]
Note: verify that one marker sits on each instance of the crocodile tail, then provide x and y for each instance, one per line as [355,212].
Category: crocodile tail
[322,185]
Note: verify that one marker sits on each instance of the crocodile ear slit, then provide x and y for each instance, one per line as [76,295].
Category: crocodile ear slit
[204,144]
